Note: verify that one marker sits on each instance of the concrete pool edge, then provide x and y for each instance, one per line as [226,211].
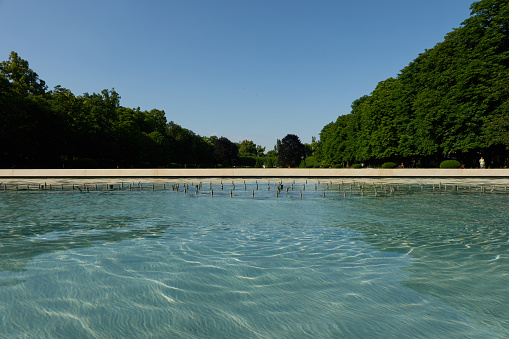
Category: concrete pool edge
[255,173]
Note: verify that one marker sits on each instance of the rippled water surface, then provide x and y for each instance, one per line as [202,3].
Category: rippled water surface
[163,264]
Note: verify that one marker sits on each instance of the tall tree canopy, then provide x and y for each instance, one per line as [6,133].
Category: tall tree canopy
[452,100]
[247,148]
[57,128]
[291,151]
[225,151]
[23,79]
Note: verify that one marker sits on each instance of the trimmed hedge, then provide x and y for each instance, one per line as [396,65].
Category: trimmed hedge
[450,164]
[356,166]
[258,163]
[389,165]
[247,161]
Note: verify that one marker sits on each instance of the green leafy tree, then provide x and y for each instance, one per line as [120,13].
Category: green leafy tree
[260,150]
[58,128]
[258,163]
[272,153]
[24,80]
[451,99]
[189,148]
[277,146]
[275,151]
[269,163]
[30,129]
[291,151]
[16,125]
[225,151]
[247,148]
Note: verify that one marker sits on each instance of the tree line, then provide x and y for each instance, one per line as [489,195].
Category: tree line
[452,101]
[43,128]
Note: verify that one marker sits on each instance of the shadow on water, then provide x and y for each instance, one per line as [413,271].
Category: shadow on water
[32,225]
[37,223]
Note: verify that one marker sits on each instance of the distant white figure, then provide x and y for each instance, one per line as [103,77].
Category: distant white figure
[481,162]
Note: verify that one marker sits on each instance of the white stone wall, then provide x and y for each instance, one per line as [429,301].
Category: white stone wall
[253,172]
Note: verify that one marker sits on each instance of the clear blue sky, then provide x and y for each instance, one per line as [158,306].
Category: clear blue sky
[243,69]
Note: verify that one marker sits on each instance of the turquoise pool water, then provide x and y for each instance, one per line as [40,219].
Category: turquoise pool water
[164,264]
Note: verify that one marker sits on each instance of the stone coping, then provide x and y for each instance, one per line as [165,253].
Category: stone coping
[255,173]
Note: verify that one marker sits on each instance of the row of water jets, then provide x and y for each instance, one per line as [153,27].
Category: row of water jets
[323,187]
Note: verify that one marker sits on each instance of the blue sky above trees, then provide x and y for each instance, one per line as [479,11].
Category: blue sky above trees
[254,70]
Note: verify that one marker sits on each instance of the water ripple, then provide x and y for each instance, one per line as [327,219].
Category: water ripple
[159,265]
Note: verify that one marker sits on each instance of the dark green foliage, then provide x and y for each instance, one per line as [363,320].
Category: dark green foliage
[225,152]
[258,163]
[143,164]
[356,166]
[291,151]
[24,80]
[43,128]
[247,161]
[30,129]
[248,148]
[450,164]
[453,98]
[269,162]
[389,165]
[311,161]
[190,148]
[338,166]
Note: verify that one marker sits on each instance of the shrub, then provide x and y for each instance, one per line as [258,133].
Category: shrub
[356,166]
[173,165]
[247,161]
[258,163]
[302,164]
[450,164]
[269,162]
[311,161]
[389,165]
[338,166]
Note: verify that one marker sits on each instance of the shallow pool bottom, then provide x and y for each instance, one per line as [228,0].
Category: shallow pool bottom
[164,263]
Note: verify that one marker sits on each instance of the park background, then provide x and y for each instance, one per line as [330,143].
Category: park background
[449,103]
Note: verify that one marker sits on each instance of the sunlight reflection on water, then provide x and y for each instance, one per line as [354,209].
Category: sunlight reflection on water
[163,263]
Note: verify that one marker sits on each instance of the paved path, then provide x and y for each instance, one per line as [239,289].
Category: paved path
[255,173]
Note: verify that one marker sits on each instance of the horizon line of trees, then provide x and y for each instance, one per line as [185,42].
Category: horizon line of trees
[55,129]
[452,101]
